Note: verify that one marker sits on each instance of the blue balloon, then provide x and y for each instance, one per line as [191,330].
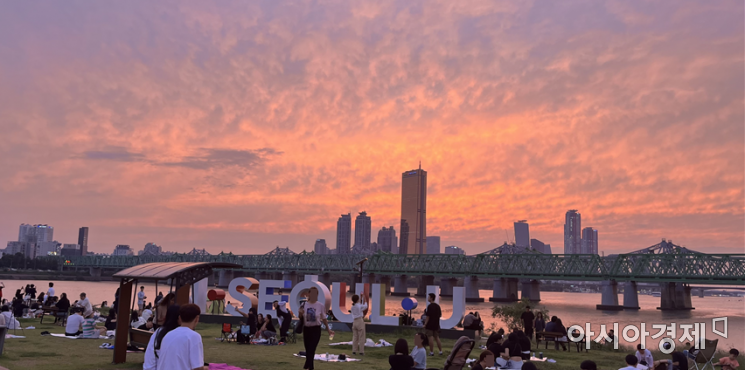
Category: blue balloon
[409,303]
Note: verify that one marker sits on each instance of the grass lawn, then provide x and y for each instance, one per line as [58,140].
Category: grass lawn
[46,352]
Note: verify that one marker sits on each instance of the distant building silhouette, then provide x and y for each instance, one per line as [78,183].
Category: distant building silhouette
[572,232]
[540,246]
[344,234]
[83,240]
[522,234]
[151,249]
[123,250]
[589,241]
[320,247]
[454,250]
[362,231]
[413,212]
[433,245]
[70,250]
[35,233]
[387,240]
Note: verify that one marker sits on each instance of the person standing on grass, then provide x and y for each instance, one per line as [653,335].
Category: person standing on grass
[527,317]
[358,325]
[432,325]
[182,348]
[313,314]
[141,299]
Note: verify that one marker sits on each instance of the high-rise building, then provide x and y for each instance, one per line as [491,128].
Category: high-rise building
[433,245]
[362,230]
[26,248]
[344,234]
[522,234]
[589,241]
[35,233]
[540,246]
[387,241]
[572,232]
[123,250]
[83,240]
[413,212]
[374,247]
[48,248]
[320,247]
[454,250]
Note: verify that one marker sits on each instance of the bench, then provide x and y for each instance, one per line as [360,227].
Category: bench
[547,336]
[139,338]
[51,310]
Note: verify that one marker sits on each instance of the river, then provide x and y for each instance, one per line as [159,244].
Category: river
[572,308]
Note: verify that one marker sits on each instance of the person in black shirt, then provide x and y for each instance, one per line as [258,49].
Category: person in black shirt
[679,360]
[285,314]
[486,359]
[268,331]
[527,317]
[524,344]
[494,344]
[148,325]
[110,323]
[432,324]
[512,351]
[401,360]
[63,306]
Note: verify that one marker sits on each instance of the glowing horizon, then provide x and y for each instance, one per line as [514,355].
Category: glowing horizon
[240,126]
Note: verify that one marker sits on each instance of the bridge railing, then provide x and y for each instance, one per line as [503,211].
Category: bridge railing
[693,268]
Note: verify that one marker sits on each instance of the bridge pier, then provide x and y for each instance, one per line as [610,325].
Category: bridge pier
[446,286]
[400,286]
[701,293]
[531,289]
[505,290]
[96,272]
[472,289]
[226,276]
[211,280]
[675,296]
[385,280]
[424,280]
[291,276]
[609,297]
[630,296]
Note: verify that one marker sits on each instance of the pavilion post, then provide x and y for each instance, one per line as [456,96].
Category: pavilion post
[182,295]
[122,321]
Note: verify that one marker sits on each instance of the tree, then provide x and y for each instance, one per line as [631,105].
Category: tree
[510,314]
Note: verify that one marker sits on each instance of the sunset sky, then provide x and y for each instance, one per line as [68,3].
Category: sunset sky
[240,126]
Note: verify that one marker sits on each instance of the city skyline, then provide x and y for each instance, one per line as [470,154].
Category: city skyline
[240,127]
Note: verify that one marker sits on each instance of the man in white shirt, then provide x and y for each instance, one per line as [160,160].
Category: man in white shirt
[644,356]
[74,324]
[358,325]
[50,292]
[85,304]
[631,363]
[141,298]
[182,347]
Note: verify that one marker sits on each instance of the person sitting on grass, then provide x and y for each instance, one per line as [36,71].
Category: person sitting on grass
[678,360]
[644,356]
[729,362]
[631,362]
[419,353]
[152,353]
[400,359]
[182,348]
[511,357]
[148,325]
[10,322]
[90,330]
[74,326]
[588,365]
[525,344]
[486,359]
[267,330]
[110,323]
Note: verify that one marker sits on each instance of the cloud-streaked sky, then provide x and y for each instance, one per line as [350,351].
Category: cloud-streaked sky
[243,125]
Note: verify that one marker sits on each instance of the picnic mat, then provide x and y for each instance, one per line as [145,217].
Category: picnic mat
[65,336]
[225,367]
[368,343]
[332,358]
[8,336]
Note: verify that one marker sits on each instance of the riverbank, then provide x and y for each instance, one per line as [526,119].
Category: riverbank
[54,276]
[46,352]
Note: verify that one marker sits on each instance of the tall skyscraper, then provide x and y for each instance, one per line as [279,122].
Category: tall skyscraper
[589,241]
[522,234]
[414,212]
[572,232]
[344,234]
[387,240]
[83,240]
[35,233]
[320,247]
[362,230]
[433,245]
